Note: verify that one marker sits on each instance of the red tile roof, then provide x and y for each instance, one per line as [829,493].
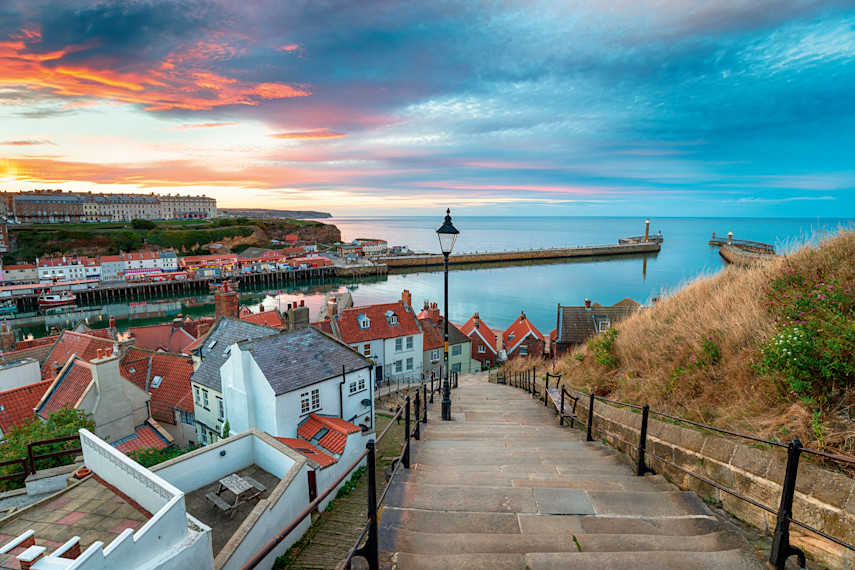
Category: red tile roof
[271,318]
[379,327]
[433,337]
[68,388]
[193,326]
[17,404]
[107,333]
[40,353]
[109,258]
[174,391]
[34,342]
[13,267]
[325,326]
[309,450]
[164,337]
[336,437]
[244,311]
[145,437]
[69,343]
[482,330]
[520,329]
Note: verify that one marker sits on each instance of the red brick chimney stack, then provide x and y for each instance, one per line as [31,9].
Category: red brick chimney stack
[477,321]
[226,301]
[407,298]
[112,322]
[522,315]
[588,304]
[7,338]
[433,312]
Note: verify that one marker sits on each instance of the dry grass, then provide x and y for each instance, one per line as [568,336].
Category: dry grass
[694,353]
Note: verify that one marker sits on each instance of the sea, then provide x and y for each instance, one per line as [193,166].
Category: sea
[500,292]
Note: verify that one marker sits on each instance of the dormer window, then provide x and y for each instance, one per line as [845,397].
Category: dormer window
[364,321]
[392,318]
[603,325]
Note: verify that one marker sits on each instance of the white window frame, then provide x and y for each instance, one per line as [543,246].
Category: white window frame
[352,388]
[434,354]
[205,399]
[399,366]
[198,395]
[361,384]
[409,343]
[221,409]
[523,350]
[481,349]
[409,364]
[399,344]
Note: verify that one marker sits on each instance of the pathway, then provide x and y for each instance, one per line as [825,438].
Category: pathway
[503,486]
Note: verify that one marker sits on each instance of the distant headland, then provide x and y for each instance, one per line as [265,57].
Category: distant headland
[265,213]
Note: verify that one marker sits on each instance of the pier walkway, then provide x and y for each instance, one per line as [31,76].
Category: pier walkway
[503,486]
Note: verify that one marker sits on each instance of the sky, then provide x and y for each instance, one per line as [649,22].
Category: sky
[389,107]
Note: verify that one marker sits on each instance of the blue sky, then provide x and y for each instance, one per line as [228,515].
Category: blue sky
[661,108]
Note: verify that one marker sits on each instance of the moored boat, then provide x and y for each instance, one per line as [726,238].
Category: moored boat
[9,307]
[56,299]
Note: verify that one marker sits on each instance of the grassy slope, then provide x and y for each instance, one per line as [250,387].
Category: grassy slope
[696,354]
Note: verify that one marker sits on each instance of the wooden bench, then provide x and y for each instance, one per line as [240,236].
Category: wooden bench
[258,486]
[555,396]
[214,498]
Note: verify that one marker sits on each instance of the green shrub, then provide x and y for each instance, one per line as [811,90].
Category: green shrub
[139,224]
[151,456]
[602,347]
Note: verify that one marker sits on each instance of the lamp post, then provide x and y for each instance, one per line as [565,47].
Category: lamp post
[447,234]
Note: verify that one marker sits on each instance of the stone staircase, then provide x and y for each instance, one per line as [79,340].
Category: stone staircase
[503,486]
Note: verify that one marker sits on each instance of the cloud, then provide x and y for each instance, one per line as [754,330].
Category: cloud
[317,134]
[782,200]
[26,142]
[188,126]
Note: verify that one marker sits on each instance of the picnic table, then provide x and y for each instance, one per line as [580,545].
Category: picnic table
[243,488]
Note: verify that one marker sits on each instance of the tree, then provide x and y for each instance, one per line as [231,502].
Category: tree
[226,429]
[139,224]
[125,241]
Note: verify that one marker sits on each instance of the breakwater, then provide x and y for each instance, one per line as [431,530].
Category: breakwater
[739,256]
[426,260]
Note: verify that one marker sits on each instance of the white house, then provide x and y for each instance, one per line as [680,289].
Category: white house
[112,268]
[168,261]
[273,383]
[61,269]
[389,334]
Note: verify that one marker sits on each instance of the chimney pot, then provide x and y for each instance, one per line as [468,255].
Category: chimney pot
[99,354]
[587,303]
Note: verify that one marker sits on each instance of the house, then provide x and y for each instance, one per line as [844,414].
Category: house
[523,339]
[484,341]
[62,269]
[372,247]
[70,344]
[170,337]
[112,268]
[273,383]
[575,325]
[23,274]
[120,409]
[459,345]
[17,404]
[166,378]
[389,334]
[209,353]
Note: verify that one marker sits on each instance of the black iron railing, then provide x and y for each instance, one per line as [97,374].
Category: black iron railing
[781,547]
[369,551]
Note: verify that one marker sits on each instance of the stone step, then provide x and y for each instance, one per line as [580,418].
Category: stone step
[649,484]
[734,559]
[473,459]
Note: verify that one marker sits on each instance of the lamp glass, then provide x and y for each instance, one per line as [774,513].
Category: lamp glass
[447,234]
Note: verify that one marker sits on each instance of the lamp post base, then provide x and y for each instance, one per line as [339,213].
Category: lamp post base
[446,410]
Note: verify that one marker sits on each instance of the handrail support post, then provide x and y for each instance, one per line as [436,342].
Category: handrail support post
[371,550]
[590,417]
[561,421]
[781,547]
[642,443]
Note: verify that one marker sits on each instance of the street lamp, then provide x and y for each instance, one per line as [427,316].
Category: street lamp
[447,234]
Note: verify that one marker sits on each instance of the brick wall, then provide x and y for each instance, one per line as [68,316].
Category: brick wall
[824,499]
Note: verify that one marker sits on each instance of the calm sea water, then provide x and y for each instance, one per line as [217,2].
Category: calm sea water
[500,292]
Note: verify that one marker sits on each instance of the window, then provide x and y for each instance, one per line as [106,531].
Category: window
[362,383]
[366,349]
[197,394]
[603,326]
[221,410]
[205,399]
[353,388]
[204,436]
[316,399]
[398,366]
[481,349]
[409,364]
[399,344]
[523,350]
[187,417]
[310,401]
[364,322]
[392,318]
[455,367]
[434,355]
[409,343]
[456,350]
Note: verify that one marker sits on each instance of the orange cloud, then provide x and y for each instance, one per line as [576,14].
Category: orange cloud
[182,81]
[314,134]
[186,127]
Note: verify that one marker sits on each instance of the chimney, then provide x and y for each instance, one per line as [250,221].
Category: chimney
[7,338]
[522,315]
[407,298]
[297,317]
[112,407]
[332,308]
[226,302]
[588,304]
[646,229]
[176,323]
[433,313]
[477,321]
[112,322]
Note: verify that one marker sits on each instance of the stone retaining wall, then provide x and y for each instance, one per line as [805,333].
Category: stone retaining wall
[824,499]
[740,256]
[497,257]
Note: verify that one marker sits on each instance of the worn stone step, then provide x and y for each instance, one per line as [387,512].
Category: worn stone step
[547,480]
[734,559]
[511,561]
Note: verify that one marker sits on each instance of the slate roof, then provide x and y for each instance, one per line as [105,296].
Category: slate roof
[309,450]
[142,367]
[469,329]
[17,404]
[293,360]
[83,345]
[68,388]
[164,337]
[40,353]
[348,326]
[331,433]
[577,324]
[144,437]
[226,331]
[520,329]
[271,318]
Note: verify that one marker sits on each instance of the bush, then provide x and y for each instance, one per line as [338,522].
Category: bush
[139,224]
[151,456]
[602,347]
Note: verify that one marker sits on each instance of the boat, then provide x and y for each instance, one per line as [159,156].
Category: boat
[55,300]
[9,307]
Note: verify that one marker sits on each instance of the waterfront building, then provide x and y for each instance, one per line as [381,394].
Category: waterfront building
[576,324]
[53,269]
[209,352]
[112,268]
[523,339]
[372,247]
[484,341]
[23,274]
[168,261]
[274,383]
[389,334]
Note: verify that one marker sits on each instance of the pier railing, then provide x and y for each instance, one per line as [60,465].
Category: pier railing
[781,547]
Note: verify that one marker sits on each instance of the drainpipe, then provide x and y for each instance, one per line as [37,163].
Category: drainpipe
[341,394]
